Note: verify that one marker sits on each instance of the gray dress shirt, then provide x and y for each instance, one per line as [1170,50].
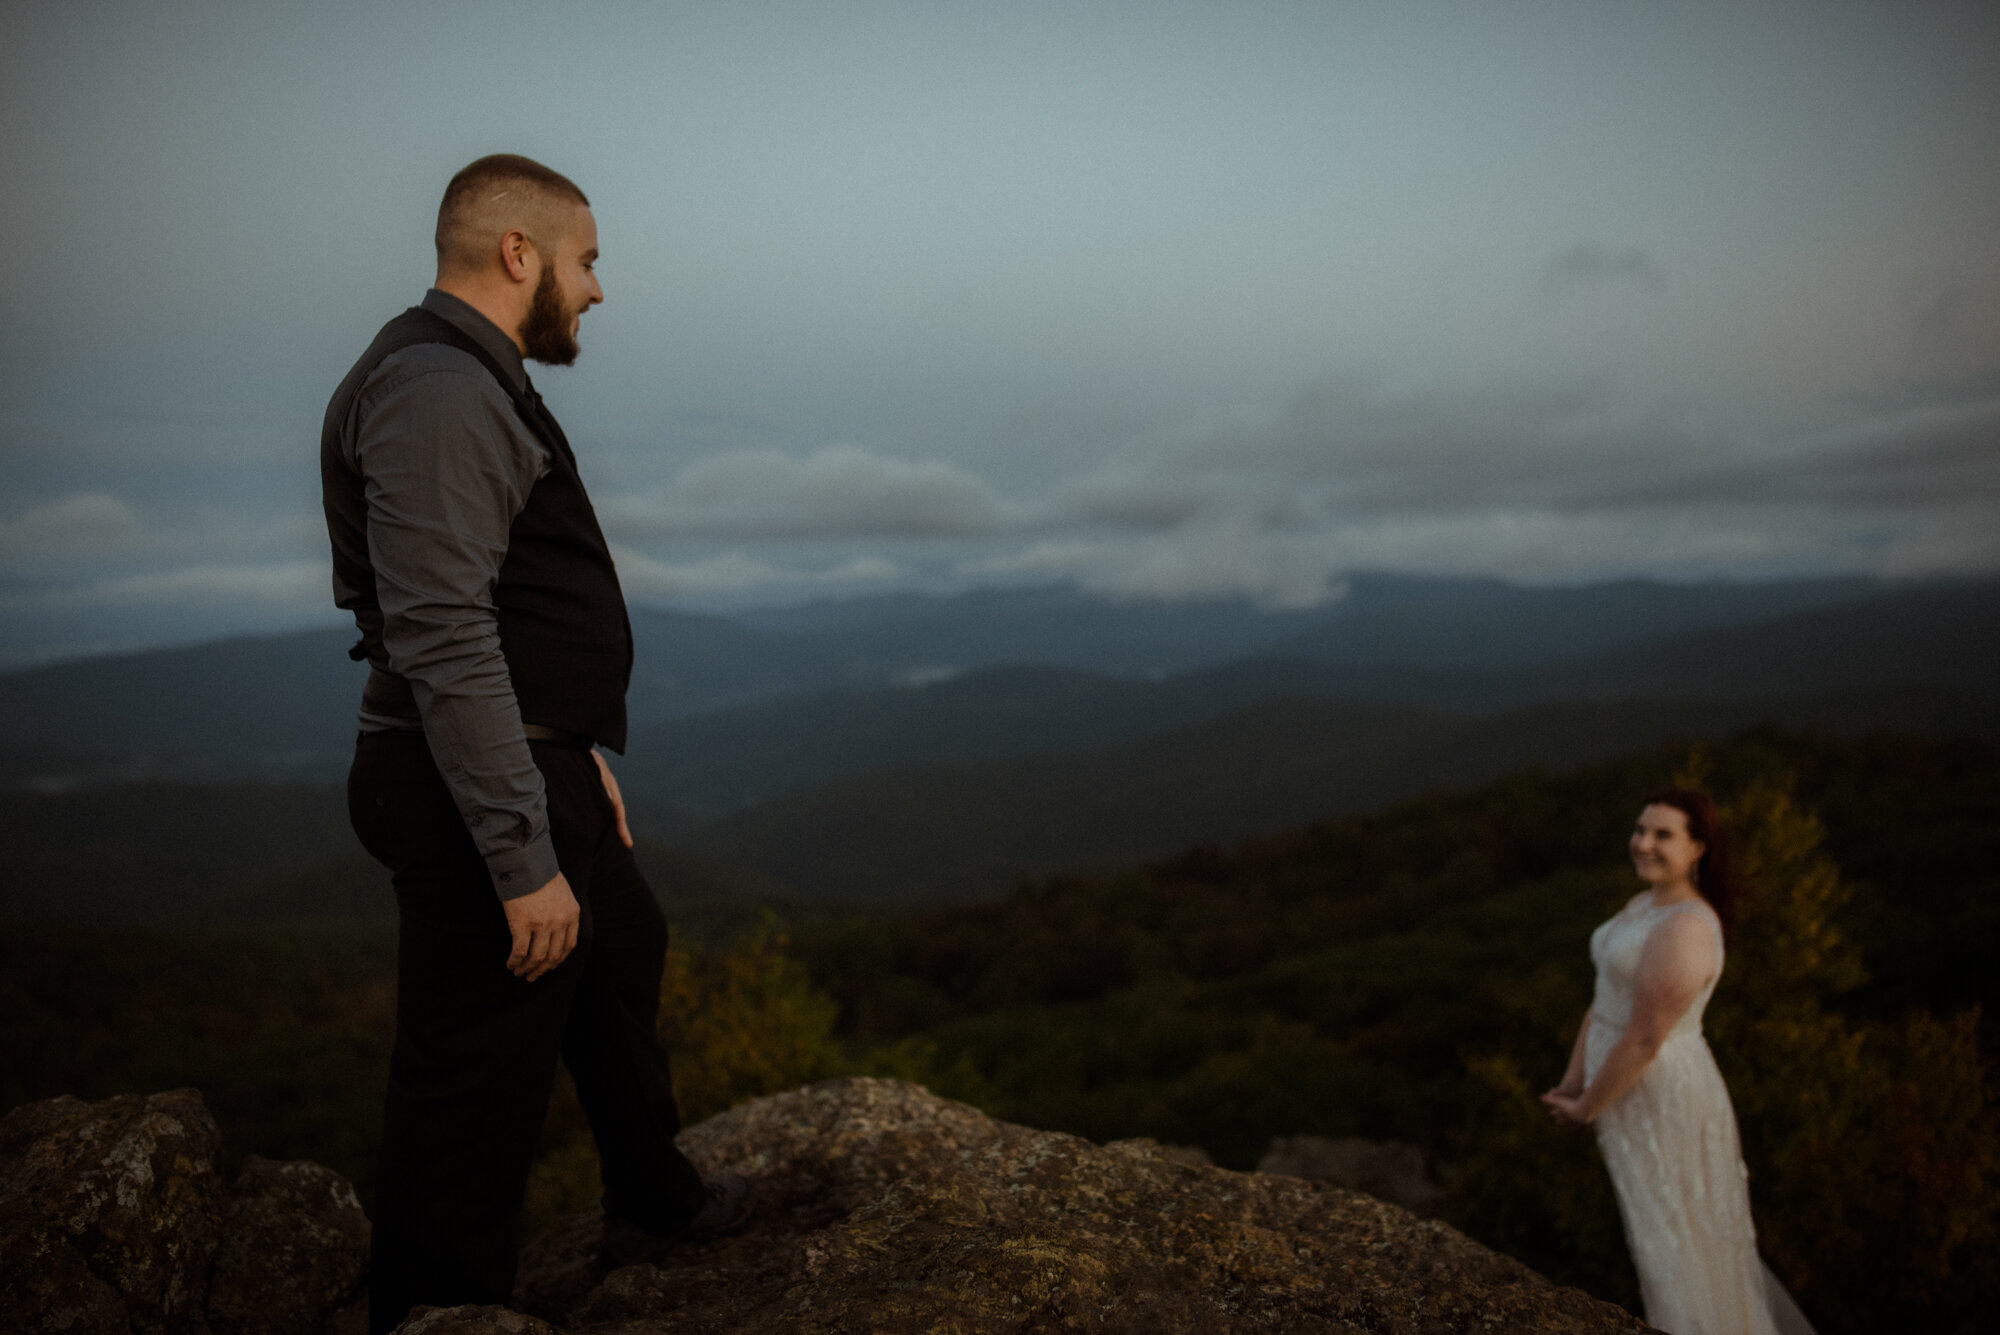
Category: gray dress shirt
[448,464]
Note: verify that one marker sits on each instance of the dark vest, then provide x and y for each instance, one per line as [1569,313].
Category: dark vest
[562,620]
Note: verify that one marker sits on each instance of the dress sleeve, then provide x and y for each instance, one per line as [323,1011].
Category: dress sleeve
[448,466]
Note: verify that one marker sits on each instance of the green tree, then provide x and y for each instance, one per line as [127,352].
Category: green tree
[1872,1148]
[744,1022]
[739,1023]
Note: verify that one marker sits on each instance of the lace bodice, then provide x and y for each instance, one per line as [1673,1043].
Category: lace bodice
[1615,948]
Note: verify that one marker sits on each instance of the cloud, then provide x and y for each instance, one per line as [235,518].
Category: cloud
[1347,449]
[96,550]
[1588,264]
[1307,569]
[1560,482]
[1946,454]
[841,491]
[735,572]
[89,523]
[291,584]
[1348,446]
[1218,561]
[92,535]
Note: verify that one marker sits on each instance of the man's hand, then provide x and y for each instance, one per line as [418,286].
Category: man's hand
[617,798]
[544,928]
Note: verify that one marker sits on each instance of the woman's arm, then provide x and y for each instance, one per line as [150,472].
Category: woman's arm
[1679,959]
[1572,1081]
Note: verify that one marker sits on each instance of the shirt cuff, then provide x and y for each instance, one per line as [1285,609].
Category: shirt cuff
[522,871]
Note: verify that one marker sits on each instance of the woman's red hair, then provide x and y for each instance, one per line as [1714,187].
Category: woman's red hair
[1714,877]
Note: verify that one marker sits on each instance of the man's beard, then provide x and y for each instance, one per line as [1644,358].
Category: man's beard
[545,332]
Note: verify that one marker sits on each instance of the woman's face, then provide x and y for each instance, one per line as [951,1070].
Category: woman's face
[1663,853]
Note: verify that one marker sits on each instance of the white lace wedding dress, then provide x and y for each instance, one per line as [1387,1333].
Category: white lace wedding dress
[1670,1143]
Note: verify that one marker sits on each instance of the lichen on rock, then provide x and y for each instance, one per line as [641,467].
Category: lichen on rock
[294,1247]
[883,1208]
[113,1218]
[879,1207]
[1390,1170]
[108,1213]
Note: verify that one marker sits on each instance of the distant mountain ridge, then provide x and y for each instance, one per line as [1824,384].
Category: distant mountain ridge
[733,711]
[971,830]
[1944,640]
[1488,625]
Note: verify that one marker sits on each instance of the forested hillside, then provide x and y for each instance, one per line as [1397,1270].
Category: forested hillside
[968,831]
[1413,973]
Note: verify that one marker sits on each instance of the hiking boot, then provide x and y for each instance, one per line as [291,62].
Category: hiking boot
[725,1209]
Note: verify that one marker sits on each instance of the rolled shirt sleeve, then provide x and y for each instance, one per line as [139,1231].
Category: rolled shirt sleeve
[448,465]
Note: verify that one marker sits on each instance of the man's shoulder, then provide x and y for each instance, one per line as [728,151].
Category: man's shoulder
[424,359]
[433,370]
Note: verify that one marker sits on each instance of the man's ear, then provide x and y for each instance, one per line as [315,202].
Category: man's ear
[518,256]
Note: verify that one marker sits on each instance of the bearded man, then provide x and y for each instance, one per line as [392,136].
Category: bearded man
[499,652]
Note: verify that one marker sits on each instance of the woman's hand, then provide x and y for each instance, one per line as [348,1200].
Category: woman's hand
[1566,1106]
[1680,957]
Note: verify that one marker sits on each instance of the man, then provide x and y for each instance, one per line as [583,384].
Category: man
[499,653]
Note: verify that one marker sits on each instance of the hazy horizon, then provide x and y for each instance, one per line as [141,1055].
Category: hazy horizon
[774,606]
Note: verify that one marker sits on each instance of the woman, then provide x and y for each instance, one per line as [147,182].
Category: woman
[1641,1074]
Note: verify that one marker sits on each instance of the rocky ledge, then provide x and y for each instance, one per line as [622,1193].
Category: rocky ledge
[114,1218]
[880,1208]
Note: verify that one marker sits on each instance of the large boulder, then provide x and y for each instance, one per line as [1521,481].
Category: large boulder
[486,1320]
[883,1208]
[108,1214]
[880,1208]
[113,1218]
[294,1247]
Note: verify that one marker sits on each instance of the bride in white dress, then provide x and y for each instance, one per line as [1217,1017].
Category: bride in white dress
[1642,1076]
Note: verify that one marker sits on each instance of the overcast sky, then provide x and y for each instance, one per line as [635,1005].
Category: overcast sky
[1173,300]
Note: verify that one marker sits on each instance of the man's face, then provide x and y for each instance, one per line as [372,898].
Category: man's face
[567,288]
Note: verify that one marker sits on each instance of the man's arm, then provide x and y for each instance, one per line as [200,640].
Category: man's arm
[448,466]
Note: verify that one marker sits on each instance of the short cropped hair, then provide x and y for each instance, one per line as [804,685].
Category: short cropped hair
[494,194]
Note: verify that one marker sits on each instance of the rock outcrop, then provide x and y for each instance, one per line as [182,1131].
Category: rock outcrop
[294,1247]
[883,1208]
[113,1218]
[487,1320]
[880,1208]
[1389,1170]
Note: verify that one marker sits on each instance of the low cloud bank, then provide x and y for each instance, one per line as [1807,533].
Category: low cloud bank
[88,523]
[737,572]
[841,491]
[1563,483]
[1558,482]
[289,584]
[1347,449]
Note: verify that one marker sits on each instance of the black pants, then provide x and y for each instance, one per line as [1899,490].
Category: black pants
[476,1047]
